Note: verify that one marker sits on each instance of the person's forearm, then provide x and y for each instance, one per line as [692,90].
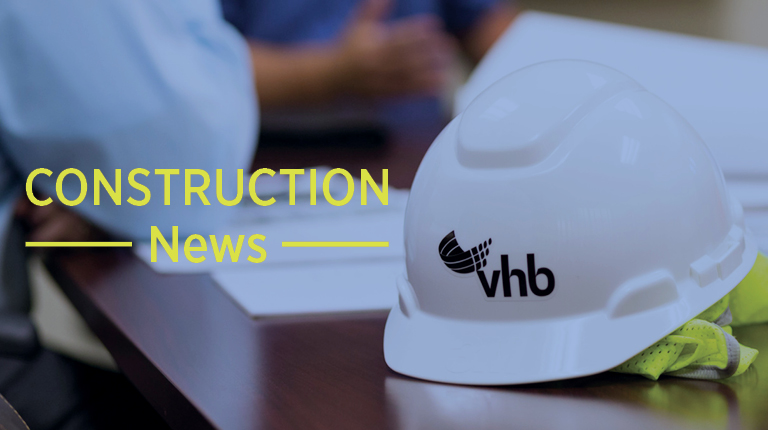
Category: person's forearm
[483,34]
[300,75]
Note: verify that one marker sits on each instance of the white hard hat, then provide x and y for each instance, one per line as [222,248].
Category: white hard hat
[564,222]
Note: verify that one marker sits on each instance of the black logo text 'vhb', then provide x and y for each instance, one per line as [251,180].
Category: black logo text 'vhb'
[474,260]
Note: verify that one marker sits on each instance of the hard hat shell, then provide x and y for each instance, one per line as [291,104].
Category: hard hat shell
[564,222]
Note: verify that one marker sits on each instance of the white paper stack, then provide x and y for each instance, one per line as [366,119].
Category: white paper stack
[295,281]
[719,87]
[313,288]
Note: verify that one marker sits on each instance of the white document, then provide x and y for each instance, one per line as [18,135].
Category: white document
[297,281]
[374,227]
[719,87]
[301,222]
[757,222]
[313,288]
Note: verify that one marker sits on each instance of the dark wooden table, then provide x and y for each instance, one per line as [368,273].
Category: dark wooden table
[203,363]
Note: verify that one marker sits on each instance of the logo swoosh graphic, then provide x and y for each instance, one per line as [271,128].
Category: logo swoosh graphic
[459,260]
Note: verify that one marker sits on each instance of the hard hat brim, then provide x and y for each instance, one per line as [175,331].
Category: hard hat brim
[480,352]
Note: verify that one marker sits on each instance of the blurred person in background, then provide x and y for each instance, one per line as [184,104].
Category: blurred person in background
[108,85]
[332,63]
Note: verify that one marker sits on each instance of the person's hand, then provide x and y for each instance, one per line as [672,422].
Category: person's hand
[376,58]
[54,223]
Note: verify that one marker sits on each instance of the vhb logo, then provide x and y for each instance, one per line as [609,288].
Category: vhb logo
[474,260]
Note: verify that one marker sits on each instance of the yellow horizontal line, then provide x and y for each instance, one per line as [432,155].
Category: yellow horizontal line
[77,244]
[335,244]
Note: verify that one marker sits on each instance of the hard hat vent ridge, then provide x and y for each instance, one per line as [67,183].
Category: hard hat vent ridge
[459,260]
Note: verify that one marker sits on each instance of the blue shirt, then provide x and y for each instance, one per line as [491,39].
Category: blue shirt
[296,21]
[123,84]
[290,21]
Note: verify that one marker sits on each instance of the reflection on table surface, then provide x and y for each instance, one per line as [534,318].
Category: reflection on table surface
[605,401]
